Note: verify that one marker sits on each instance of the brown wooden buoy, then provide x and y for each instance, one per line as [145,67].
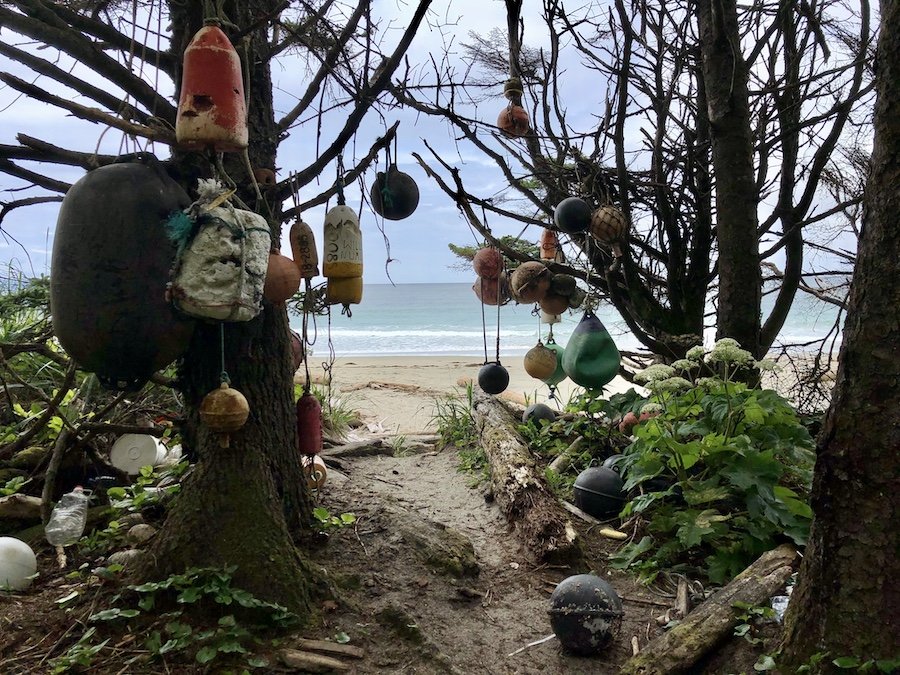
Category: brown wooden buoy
[513,121]
[554,303]
[223,411]
[540,362]
[282,279]
[530,282]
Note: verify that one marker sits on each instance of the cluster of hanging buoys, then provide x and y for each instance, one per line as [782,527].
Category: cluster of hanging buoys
[342,262]
[212,112]
[110,264]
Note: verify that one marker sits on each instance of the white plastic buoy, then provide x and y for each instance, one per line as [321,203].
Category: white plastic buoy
[132,451]
[18,564]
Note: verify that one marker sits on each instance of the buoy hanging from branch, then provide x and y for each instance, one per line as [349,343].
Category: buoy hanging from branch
[488,262]
[530,282]
[609,226]
[282,279]
[221,269]
[513,121]
[303,248]
[342,259]
[309,424]
[540,362]
[109,270]
[394,194]
[591,357]
[212,112]
[551,251]
[572,215]
[224,411]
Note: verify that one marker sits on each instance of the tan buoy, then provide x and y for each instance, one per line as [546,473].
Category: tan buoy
[540,362]
[303,248]
[315,471]
[223,411]
[551,251]
[342,262]
[530,282]
[282,279]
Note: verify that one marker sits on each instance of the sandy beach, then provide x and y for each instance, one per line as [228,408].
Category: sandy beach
[397,394]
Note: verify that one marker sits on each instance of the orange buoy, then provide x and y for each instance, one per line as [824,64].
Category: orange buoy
[513,121]
[344,291]
[550,248]
[309,424]
[212,112]
[282,279]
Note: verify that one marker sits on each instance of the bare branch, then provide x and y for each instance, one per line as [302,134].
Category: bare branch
[30,176]
[90,114]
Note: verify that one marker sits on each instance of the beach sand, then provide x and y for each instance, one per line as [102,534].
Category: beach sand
[397,394]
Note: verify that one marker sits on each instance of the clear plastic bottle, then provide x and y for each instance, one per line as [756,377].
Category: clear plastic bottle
[68,518]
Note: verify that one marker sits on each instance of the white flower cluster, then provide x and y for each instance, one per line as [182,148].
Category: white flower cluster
[684,364]
[727,350]
[658,371]
[671,384]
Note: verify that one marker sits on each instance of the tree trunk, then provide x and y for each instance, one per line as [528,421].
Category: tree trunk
[725,81]
[847,599]
[246,504]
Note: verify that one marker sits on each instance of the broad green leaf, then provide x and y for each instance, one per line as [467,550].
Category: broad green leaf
[206,654]
[847,662]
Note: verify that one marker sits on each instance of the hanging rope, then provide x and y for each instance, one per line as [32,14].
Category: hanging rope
[340,180]
[223,374]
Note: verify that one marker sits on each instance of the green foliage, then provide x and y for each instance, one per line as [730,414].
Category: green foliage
[474,461]
[325,521]
[466,253]
[849,663]
[13,485]
[749,617]
[724,472]
[454,419]
[144,491]
[196,586]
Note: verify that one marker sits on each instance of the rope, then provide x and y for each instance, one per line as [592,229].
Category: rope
[223,374]
[340,181]
[483,319]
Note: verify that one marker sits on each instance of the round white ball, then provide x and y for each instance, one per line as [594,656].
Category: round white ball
[18,564]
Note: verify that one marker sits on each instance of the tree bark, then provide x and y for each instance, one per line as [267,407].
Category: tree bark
[847,599]
[247,504]
[725,81]
[678,650]
[519,486]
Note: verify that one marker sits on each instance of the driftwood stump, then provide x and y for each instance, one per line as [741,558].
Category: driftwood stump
[519,487]
[682,647]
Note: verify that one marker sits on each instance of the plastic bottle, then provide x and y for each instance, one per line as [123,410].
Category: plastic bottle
[68,518]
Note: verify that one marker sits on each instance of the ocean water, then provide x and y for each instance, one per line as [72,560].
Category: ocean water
[447,319]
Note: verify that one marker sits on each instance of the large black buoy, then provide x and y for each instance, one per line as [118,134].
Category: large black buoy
[598,491]
[394,194]
[572,215]
[493,378]
[614,462]
[110,266]
[585,614]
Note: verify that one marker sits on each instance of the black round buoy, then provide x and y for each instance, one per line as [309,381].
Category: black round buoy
[537,412]
[598,491]
[572,215]
[585,613]
[493,378]
[613,462]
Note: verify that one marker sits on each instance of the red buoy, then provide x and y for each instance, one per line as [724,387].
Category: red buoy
[211,109]
[309,424]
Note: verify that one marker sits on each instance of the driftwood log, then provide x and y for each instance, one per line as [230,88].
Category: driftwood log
[519,487]
[20,507]
[678,650]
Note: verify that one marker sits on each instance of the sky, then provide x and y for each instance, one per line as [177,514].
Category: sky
[418,244]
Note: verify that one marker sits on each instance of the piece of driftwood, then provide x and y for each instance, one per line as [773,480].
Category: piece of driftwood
[311,662]
[564,459]
[20,507]
[607,532]
[519,487]
[332,648]
[678,650]
[368,448]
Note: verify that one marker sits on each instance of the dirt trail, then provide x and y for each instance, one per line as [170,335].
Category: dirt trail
[470,625]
